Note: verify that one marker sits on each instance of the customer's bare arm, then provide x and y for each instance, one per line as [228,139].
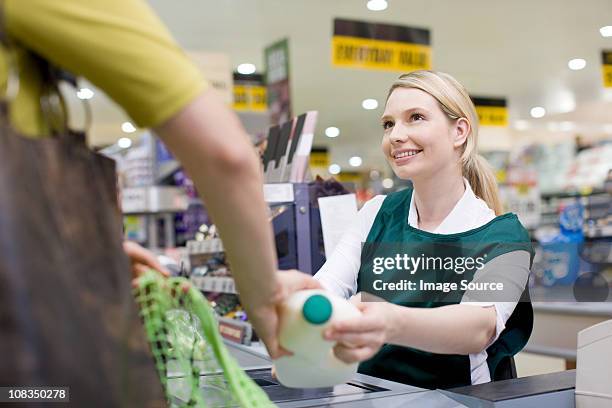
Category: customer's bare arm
[207,138]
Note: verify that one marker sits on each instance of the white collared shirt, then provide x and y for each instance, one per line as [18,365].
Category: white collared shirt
[340,271]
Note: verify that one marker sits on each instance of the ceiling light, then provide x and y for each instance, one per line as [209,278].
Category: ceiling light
[85,93]
[127,127]
[521,125]
[369,104]
[387,183]
[567,126]
[124,142]
[355,161]
[576,64]
[334,169]
[246,69]
[606,31]
[538,112]
[377,5]
[332,131]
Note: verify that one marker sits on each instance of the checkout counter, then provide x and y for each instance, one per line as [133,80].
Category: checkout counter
[551,390]
[556,328]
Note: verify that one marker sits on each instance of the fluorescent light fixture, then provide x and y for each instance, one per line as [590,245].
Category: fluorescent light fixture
[538,112]
[387,183]
[576,64]
[85,93]
[606,31]
[246,69]
[377,5]
[127,127]
[567,126]
[521,125]
[334,169]
[332,131]
[369,104]
[124,142]
[355,161]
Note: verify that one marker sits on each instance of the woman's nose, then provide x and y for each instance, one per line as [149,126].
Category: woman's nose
[398,135]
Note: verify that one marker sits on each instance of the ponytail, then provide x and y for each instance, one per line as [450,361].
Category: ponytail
[480,175]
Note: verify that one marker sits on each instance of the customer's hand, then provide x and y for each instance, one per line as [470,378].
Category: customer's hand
[141,260]
[359,338]
[264,313]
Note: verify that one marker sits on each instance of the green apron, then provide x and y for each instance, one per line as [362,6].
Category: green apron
[391,232]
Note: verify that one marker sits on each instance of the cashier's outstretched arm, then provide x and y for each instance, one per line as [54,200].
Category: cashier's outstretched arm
[208,139]
[452,329]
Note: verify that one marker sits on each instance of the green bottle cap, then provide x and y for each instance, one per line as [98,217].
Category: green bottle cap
[317,309]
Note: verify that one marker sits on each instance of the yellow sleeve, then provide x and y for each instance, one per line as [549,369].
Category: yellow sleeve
[119,45]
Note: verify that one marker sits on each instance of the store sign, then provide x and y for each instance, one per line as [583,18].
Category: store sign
[491,111]
[319,157]
[386,47]
[276,58]
[350,177]
[249,93]
[607,67]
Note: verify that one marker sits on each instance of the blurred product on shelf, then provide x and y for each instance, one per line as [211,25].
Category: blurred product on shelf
[590,169]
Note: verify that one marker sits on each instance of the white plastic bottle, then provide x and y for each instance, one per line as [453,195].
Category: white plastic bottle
[304,317]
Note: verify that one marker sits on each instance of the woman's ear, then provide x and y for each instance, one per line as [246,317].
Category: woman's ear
[462,130]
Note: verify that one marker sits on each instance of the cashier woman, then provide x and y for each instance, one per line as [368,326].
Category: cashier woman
[430,135]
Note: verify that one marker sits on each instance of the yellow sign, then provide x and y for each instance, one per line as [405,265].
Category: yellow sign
[607,68]
[352,52]
[383,47]
[250,98]
[319,158]
[350,177]
[492,115]
[491,111]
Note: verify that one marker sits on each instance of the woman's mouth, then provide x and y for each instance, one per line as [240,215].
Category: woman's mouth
[404,156]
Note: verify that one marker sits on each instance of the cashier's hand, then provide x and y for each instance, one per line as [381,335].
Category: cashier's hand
[142,259]
[360,338]
[265,315]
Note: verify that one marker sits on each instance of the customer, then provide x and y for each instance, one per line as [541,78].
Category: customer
[123,48]
[433,339]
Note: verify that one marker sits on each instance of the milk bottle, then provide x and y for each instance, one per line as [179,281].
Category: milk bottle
[304,317]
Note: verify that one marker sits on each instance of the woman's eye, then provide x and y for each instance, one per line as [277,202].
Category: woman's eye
[417,116]
[387,124]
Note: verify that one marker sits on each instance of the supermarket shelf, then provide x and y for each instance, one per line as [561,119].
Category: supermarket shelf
[167,169]
[210,246]
[214,284]
[153,200]
[598,232]
[570,194]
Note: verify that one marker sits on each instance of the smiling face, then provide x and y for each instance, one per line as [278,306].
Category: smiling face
[420,140]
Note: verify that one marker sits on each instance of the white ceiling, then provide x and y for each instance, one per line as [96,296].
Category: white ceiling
[516,49]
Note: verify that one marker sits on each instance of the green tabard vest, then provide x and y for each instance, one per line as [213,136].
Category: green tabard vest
[391,232]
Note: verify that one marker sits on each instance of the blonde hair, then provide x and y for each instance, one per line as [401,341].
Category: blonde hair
[455,102]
